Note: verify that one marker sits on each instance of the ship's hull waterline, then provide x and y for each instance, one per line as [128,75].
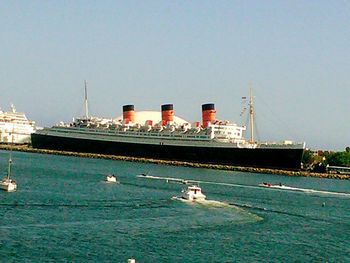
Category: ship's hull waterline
[276,158]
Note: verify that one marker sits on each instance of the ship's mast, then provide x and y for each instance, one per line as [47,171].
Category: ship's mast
[86,101]
[10,157]
[251,116]
[9,167]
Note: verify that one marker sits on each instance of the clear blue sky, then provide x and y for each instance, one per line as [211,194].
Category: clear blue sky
[295,54]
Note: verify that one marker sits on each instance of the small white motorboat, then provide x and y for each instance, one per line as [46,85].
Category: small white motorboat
[8,184]
[111,178]
[193,193]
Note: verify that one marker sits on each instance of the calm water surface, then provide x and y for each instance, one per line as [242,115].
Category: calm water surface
[64,212]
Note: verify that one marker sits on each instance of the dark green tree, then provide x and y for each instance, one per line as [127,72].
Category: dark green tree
[339,158]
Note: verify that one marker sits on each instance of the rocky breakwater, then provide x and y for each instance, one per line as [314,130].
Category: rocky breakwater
[28,148]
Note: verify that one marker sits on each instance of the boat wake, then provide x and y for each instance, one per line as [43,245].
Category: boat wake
[188,181]
[230,210]
[260,186]
[211,203]
[304,190]
[108,182]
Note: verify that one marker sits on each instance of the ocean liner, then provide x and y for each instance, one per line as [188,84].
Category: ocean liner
[210,142]
[15,127]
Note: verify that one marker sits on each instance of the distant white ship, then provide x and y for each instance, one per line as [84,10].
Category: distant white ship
[15,127]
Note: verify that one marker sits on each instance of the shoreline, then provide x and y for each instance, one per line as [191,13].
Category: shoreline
[26,148]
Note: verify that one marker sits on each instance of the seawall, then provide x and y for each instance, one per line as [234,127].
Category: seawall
[26,148]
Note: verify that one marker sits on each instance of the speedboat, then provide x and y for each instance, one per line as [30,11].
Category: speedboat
[111,178]
[279,186]
[273,185]
[193,193]
[265,185]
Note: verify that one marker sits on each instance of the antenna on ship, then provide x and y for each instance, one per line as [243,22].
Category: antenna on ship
[251,115]
[86,101]
[10,156]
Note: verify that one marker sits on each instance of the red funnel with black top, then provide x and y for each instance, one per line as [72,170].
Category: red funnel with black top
[167,113]
[128,114]
[208,114]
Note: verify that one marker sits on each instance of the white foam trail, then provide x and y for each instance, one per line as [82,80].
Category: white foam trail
[187,181]
[323,192]
[212,203]
[305,190]
[273,187]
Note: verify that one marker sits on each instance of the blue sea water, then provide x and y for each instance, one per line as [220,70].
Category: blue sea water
[63,211]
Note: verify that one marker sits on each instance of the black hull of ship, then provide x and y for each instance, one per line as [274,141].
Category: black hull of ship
[289,159]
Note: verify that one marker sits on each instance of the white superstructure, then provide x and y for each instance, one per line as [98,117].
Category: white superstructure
[15,127]
[193,193]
